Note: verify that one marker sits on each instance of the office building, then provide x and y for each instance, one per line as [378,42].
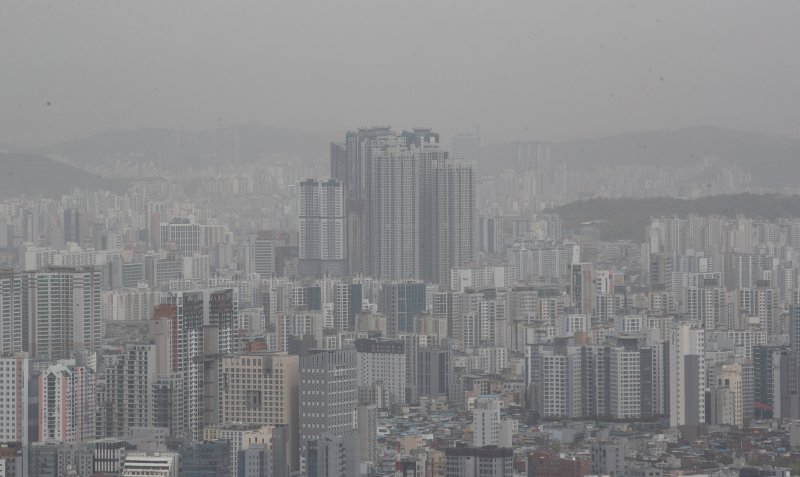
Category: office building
[608,457]
[196,267]
[143,464]
[109,455]
[182,235]
[434,373]
[582,287]
[239,437]
[730,395]
[298,325]
[254,461]
[381,372]
[72,226]
[464,461]
[771,381]
[486,421]
[262,388]
[490,234]
[328,395]
[333,456]
[51,459]
[261,253]
[401,302]
[205,459]
[347,305]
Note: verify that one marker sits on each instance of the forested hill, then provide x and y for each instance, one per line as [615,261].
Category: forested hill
[32,175]
[627,218]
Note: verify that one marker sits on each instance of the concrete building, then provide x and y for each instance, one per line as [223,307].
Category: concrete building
[401,302]
[582,287]
[546,464]
[794,346]
[298,324]
[328,395]
[239,437]
[434,373]
[486,421]
[322,225]
[129,303]
[771,381]
[142,464]
[455,236]
[687,375]
[466,147]
[552,390]
[126,399]
[463,461]
[608,457]
[704,303]
[347,305]
[196,267]
[12,331]
[109,455]
[206,459]
[262,388]
[67,402]
[59,459]
[260,253]
[202,323]
[182,235]
[728,391]
[368,432]
[14,376]
[254,462]
[393,200]
[477,277]
[333,456]
[625,384]
[64,311]
[381,372]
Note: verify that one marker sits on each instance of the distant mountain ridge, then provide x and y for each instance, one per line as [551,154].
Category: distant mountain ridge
[33,175]
[618,219]
[772,160]
[248,143]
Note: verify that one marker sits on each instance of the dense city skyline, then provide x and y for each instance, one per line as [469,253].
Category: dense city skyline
[290,319]
[411,239]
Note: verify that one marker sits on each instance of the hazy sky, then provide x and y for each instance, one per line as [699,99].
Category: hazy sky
[521,69]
